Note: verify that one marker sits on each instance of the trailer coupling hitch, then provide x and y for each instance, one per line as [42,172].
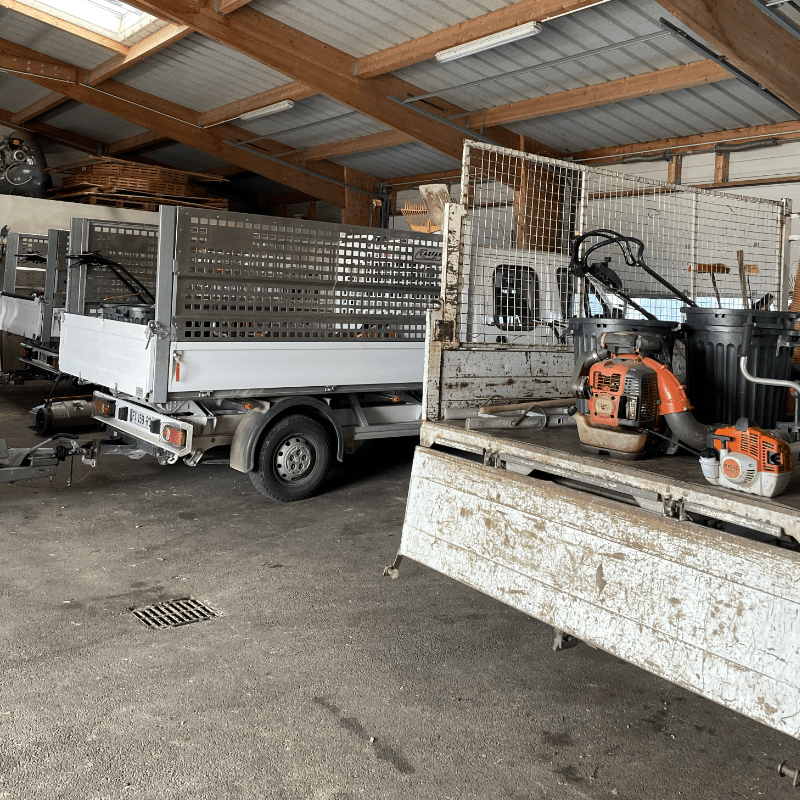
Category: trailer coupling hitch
[41,461]
[785,771]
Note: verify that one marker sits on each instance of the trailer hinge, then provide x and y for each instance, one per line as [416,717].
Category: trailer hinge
[155,329]
[673,508]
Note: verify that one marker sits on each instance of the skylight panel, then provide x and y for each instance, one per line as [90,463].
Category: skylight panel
[111,18]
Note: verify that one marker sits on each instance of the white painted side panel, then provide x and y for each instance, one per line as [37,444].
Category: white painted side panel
[231,366]
[714,613]
[22,317]
[109,353]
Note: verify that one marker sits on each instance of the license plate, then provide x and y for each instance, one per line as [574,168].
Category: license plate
[137,418]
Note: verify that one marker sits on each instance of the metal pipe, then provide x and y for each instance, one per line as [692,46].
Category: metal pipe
[535,67]
[466,131]
[738,148]
[666,155]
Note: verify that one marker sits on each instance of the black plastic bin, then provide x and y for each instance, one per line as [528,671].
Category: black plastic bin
[715,384]
[586,331]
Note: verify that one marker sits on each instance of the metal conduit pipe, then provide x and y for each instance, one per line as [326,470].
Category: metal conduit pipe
[738,148]
[666,155]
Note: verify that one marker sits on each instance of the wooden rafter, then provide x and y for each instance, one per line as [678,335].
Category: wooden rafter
[63,25]
[289,91]
[685,145]
[425,47]
[670,79]
[748,38]
[134,143]
[324,68]
[146,47]
[179,123]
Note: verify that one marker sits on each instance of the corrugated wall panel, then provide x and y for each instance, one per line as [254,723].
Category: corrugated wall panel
[393,162]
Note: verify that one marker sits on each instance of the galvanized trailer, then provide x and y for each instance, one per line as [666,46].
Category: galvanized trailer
[259,325]
[644,559]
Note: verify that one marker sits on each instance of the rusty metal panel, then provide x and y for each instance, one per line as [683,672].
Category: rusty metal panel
[715,613]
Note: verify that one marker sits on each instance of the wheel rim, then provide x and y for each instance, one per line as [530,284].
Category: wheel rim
[294,459]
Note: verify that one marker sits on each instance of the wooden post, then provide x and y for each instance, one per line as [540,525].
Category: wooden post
[358,207]
[674,170]
[722,162]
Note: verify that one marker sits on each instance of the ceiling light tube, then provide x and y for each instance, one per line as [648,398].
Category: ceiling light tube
[488,42]
[284,105]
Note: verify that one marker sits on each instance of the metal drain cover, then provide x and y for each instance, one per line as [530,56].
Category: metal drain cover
[174,613]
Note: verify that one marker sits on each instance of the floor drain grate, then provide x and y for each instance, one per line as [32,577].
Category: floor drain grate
[173,613]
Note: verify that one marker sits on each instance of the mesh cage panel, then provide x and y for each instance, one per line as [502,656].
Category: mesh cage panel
[523,210]
[28,277]
[242,277]
[133,245]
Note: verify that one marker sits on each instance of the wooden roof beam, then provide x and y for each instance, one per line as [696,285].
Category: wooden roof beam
[63,25]
[134,143]
[670,79]
[748,38]
[685,145]
[289,91]
[324,68]
[146,47]
[425,47]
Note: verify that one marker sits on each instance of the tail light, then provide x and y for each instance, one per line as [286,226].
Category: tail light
[25,352]
[175,436]
[105,408]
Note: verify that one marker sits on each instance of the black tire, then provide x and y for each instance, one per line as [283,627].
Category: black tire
[293,459]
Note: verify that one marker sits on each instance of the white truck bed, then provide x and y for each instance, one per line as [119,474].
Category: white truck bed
[21,317]
[714,612]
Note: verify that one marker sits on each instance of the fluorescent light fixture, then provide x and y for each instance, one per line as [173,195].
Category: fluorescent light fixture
[284,105]
[488,42]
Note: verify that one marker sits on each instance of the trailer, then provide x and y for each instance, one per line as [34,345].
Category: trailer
[644,559]
[290,342]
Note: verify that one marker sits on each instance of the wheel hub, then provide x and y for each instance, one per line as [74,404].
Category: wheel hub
[294,459]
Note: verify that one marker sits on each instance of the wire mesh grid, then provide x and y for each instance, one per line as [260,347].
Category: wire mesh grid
[29,276]
[523,212]
[134,246]
[263,278]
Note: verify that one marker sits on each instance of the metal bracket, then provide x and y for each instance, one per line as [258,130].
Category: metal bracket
[155,329]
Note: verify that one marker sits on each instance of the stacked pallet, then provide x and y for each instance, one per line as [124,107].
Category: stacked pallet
[109,181]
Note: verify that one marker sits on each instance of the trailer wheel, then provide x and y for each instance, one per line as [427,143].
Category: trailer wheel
[293,459]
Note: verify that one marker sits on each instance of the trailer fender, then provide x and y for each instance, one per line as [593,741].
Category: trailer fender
[256,421]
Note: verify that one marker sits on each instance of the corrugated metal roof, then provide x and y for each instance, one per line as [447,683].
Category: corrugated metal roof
[199,73]
[17,93]
[593,28]
[361,27]
[394,162]
[91,122]
[52,41]
[703,109]
[181,156]
[313,121]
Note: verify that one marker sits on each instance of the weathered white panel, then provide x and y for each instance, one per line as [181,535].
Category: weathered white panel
[231,366]
[108,353]
[22,317]
[470,378]
[714,613]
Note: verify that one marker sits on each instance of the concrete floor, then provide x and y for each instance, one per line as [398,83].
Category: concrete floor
[319,678]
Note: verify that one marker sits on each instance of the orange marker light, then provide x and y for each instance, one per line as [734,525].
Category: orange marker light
[175,436]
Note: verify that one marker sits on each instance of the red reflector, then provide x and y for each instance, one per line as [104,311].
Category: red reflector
[103,407]
[176,436]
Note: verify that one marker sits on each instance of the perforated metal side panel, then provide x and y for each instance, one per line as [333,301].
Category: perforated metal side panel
[242,277]
[28,277]
[134,245]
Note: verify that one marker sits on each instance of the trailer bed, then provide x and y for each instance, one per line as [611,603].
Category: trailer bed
[714,611]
